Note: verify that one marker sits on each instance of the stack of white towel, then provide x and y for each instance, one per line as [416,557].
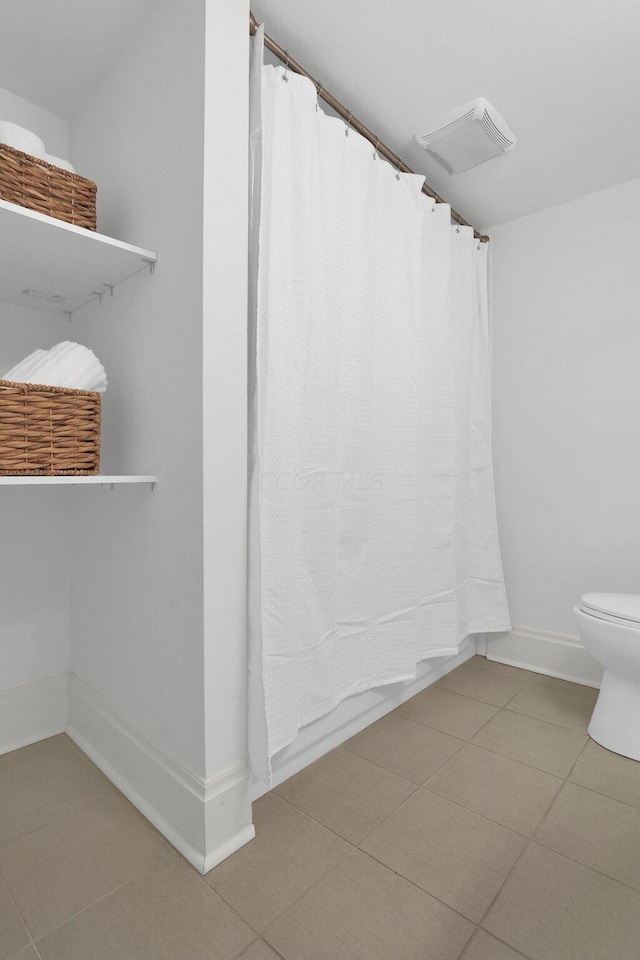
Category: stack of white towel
[65,365]
[28,142]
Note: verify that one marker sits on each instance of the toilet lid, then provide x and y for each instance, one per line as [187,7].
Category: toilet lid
[623,606]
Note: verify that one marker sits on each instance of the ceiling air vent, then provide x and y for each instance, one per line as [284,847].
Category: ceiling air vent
[467,136]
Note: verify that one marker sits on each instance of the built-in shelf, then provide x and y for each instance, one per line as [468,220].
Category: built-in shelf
[96,478]
[54,266]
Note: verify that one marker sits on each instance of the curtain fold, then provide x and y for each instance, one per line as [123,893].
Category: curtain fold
[372,533]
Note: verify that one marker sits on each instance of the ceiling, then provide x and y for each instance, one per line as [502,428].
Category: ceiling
[565,74]
[46,62]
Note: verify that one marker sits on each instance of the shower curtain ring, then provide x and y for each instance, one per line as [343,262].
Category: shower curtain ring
[398,169]
[319,90]
[347,124]
[286,68]
[375,149]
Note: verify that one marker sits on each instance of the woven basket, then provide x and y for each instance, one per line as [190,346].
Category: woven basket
[40,186]
[48,431]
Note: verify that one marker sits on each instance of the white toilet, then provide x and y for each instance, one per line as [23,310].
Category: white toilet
[609,626]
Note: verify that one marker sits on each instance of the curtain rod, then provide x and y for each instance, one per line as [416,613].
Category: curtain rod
[348,117]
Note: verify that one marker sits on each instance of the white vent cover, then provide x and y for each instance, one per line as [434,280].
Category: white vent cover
[467,136]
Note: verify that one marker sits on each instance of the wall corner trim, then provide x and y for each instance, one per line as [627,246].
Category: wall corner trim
[32,712]
[205,820]
[552,654]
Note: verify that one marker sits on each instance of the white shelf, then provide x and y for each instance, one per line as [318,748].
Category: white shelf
[51,265]
[96,478]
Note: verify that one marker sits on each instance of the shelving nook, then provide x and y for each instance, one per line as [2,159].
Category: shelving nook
[53,266]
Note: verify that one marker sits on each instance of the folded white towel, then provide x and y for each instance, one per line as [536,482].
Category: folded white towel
[21,139]
[67,364]
[58,162]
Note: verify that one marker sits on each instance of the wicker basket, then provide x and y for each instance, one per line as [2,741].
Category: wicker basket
[40,186]
[48,431]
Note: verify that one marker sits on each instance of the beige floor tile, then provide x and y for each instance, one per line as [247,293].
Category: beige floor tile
[510,793]
[29,953]
[600,832]
[13,933]
[608,773]
[485,947]
[34,752]
[42,792]
[543,745]
[448,712]
[479,679]
[552,908]
[165,914]
[259,950]
[554,706]
[346,793]
[363,911]
[56,871]
[452,853]
[289,854]
[580,689]
[405,747]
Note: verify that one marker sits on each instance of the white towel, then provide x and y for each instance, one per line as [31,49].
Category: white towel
[21,139]
[67,364]
[59,162]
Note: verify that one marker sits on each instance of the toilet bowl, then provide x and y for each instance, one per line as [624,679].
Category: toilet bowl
[609,626]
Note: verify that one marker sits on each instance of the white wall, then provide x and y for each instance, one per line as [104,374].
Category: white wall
[225,276]
[158,579]
[137,556]
[53,130]
[34,524]
[566,398]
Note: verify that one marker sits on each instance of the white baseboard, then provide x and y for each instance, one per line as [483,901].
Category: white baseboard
[33,712]
[205,820]
[354,714]
[553,654]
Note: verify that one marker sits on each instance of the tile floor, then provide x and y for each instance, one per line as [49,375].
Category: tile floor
[475,822]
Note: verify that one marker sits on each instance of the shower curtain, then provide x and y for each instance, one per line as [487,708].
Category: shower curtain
[372,529]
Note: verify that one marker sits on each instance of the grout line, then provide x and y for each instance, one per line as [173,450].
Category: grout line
[258,939]
[19,912]
[42,826]
[157,862]
[573,693]
[84,909]
[453,693]
[420,723]
[496,823]
[305,814]
[427,893]
[465,951]
[365,760]
[455,736]
[561,726]
[304,892]
[523,763]
[388,770]
[586,866]
[526,847]
[53,754]
[347,853]
[599,793]
[575,762]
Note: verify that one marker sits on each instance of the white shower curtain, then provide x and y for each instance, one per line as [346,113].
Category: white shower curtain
[373,541]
